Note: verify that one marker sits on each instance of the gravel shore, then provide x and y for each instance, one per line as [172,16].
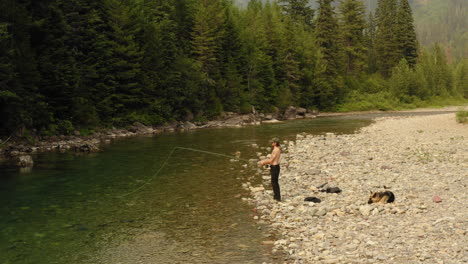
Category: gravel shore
[423,160]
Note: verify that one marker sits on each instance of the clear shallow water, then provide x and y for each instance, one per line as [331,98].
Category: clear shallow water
[69,209]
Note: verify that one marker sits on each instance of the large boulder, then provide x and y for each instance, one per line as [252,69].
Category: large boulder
[290,113]
[139,128]
[87,147]
[301,111]
[186,126]
[25,161]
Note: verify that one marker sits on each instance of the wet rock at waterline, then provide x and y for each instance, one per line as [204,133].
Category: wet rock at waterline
[390,154]
[25,161]
[87,148]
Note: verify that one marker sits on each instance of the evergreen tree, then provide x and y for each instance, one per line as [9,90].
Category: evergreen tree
[386,42]
[7,77]
[207,31]
[171,77]
[231,62]
[370,37]
[92,51]
[21,103]
[327,81]
[281,56]
[460,84]
[125,61]
[184,18]
[207,34]
[305,49]
[406,33]
[57,65]
[299,10]
[259,69]
[352,25]
[6,52]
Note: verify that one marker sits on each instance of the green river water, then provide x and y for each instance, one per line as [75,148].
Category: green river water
[74,209]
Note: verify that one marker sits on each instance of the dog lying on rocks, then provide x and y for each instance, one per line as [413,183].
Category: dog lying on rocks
[381,197]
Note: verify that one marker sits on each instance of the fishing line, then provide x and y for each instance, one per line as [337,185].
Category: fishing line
[167,160]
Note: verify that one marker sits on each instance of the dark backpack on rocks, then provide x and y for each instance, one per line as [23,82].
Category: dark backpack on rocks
[312,199]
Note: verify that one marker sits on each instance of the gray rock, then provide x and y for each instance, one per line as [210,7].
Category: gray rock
[290,113]
[365,210]
[25,161]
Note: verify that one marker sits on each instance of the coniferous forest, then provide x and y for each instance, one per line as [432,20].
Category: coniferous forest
[70,65]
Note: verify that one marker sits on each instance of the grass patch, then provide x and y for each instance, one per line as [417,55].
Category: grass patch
[86,132]
[385,101]
[462,117]
[356,101]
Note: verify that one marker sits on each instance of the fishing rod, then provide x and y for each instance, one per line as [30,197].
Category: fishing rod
[167,160]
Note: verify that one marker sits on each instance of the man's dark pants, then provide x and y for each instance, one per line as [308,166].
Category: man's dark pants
[275,171]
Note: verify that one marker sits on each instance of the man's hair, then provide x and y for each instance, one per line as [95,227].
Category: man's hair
[276,141]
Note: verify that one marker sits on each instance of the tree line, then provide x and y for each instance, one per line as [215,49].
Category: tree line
[82,64]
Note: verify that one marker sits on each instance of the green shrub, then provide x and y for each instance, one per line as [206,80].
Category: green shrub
[86,131]
[245,108]
[215,108]
[51,130]
[357,101]
[65,127]
[462,117]
[147,119]
[29,136]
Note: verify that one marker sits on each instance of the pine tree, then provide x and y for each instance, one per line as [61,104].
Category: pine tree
[259,70]
[280,52]
[207,31]
[386,43]
[327,81]
[57,65]
[352,25]
[173,76]
[125,60]
[21,103]
[305,50]
[406,34]
[231,87]
[6,53]
[184,18]
[207,34]
[299,10]
[91,51]
[7,75]
[370,37]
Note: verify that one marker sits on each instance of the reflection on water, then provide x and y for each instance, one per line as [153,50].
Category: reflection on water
[69,209]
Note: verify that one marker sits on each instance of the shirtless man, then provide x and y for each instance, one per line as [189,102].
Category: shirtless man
[274,168]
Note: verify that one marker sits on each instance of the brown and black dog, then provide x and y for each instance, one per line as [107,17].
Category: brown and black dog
[381,197]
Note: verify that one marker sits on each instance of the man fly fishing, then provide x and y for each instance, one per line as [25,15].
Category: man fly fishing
[274,162]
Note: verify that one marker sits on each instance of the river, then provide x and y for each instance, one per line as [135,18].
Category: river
[132,203]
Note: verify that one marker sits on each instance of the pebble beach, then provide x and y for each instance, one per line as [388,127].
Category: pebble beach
[423,160]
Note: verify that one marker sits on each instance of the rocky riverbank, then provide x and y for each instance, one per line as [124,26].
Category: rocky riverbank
[19,152]
[423,160]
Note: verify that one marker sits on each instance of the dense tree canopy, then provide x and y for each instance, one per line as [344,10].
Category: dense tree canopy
[81,64]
